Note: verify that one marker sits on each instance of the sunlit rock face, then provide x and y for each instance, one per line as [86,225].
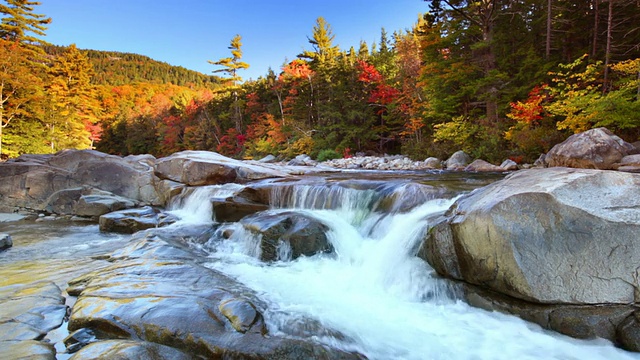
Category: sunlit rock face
[593,149]
[28,181]
[29,312]
[553,236]
[134,220]
[196,168]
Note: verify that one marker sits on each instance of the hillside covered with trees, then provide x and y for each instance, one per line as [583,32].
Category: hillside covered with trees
[495,78]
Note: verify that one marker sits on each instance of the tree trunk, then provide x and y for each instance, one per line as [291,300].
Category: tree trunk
[607,57]
[596,23]
[547,53]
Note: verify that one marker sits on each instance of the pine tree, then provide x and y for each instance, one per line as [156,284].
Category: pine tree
[20,24]
[230,66]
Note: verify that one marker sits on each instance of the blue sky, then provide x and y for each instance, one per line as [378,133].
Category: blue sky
[190,32]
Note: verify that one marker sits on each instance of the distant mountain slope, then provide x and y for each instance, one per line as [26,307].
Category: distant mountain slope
[117,68]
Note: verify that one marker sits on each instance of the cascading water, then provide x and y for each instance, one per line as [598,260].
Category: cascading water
[374,296]
[194,207]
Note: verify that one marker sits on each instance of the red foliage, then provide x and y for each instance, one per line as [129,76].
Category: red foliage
[368,73]
[231,143]
[298,69]
[531,110]
[381,93]
[346,153]
[95,131]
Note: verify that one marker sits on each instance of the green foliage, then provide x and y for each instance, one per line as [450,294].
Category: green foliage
[328,154]
[118,68]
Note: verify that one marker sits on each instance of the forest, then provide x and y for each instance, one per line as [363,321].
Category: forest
[496,78]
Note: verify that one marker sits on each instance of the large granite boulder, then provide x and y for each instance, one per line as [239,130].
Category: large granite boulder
[593,149]
[196,168]
[27,185]
[29,181]
[154,296]
[553,236]
[288,235]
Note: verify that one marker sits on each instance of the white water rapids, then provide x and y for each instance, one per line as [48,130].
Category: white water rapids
[374,296]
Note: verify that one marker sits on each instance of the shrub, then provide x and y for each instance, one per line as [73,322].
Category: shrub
[328,154]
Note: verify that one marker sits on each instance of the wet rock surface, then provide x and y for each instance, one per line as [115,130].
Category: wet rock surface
[28,313]
[134,220]
[288,235]
[235,208]
[158,295]
[5,241]
[129,349]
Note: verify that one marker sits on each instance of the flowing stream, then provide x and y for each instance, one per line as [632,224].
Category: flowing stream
[373,295]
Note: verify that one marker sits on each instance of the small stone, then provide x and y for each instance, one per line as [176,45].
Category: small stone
[5,241]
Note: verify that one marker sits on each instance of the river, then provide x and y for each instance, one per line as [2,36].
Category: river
[371,295]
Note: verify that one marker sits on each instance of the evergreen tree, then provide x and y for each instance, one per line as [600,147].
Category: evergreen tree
[20,23]
[230,66]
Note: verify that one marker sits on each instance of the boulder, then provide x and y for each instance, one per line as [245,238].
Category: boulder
[482,166]
[628,332]
[195,168]
[548,237]
[528,236]
[268,159]
[5,241]
[235,208]
[30,349]
[302,160]
[29,181]
[29,312]
[458,161]
[433,163]
[288,235]
[509,165]
[97,203]
[134,220]
[29,184]
[629,163]
[85,201]
[593,149]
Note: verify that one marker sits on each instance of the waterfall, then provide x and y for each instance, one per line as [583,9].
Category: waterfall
[373,295]
[194,206]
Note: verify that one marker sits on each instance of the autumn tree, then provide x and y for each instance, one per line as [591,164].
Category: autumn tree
[73,105]
[18,88]
[230,66]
